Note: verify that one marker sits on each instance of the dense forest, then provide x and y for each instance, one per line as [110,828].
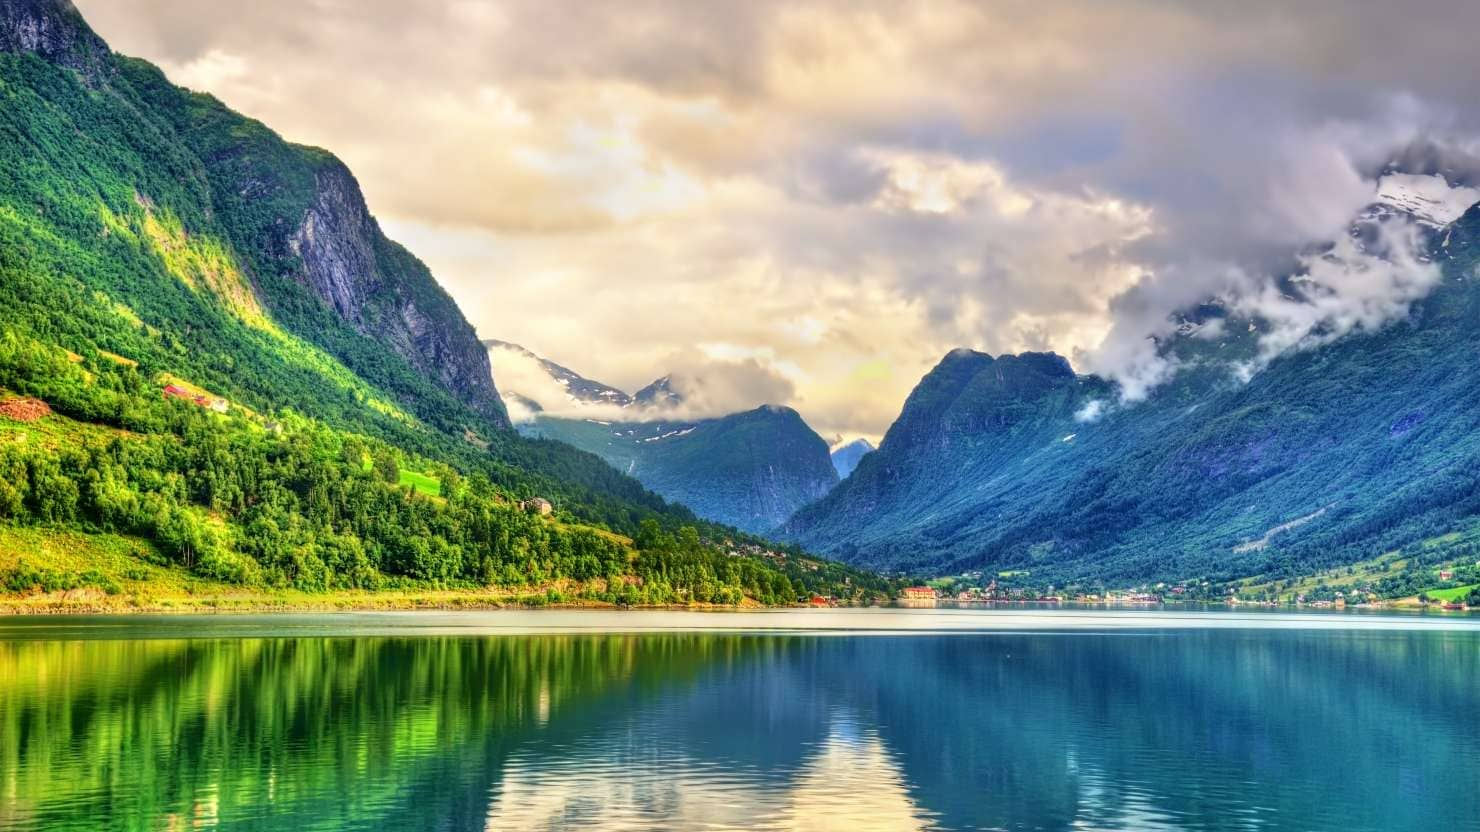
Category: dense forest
[287,501]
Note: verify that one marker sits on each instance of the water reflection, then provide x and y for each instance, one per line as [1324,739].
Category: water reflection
[1199,730]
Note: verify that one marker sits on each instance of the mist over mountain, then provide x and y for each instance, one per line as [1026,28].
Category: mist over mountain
[1279,445]
[749,469]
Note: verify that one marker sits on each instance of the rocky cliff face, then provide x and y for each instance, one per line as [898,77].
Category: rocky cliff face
[54,30]
[386,293]
[300,207]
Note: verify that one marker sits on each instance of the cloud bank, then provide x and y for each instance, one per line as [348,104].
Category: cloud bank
[830,194]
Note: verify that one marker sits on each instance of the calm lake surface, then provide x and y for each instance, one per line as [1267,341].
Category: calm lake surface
[903,719]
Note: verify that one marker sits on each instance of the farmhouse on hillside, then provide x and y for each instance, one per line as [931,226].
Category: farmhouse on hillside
[537,505]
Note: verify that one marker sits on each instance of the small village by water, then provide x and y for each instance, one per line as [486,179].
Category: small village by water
[1450,588]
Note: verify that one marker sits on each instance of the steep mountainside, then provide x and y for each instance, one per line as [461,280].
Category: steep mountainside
[1329,455]
[750,470]
[846,457]
[381,289]
[208,346]
[126,161]
[180,235]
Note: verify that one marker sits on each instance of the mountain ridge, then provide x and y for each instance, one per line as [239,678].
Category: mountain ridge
[749,469]
[1335,452]
[577,386]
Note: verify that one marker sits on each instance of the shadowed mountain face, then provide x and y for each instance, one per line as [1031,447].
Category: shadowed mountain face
[750,470]
[1328,455]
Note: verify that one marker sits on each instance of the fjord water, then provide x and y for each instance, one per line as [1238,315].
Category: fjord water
[448,722]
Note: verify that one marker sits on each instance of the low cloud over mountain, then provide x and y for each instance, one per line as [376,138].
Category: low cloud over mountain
[821,197]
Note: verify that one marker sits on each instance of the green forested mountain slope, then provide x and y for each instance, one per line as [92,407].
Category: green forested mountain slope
[1327,456]
[156,247]
[750,470]
[149,222]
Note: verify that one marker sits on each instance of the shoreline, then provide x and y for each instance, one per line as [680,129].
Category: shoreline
[91,602]
[787,622]
[41,606]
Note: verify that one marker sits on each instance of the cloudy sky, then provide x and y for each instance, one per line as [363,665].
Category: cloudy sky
[809,202]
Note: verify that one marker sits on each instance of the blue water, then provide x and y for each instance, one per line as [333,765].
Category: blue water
[1069,720]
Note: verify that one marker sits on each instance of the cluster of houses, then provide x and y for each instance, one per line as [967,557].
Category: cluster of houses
[175,391]
[755,551]
[1339,601]
[991,593]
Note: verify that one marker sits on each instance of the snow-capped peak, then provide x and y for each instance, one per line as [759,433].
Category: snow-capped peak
[1430,199]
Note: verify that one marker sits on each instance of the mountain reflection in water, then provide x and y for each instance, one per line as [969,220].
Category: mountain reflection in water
[1188,729]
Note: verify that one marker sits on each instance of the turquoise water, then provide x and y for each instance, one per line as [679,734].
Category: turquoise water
[1073,720]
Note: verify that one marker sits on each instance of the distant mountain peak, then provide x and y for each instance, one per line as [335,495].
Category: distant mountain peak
[961,365]
[751,469]
[846,456]
[577,387]
[660,393]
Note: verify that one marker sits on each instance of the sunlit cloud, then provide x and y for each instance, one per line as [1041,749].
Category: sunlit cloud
[833,194]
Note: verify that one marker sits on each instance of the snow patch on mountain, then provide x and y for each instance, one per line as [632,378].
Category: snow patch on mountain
[1430,199]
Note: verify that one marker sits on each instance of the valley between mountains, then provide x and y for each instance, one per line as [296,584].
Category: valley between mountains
[221,383]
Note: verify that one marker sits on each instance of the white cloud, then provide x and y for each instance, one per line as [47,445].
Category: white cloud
[1091,411]
[1347,289]
[843,190]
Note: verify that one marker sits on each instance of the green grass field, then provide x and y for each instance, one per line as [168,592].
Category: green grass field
[430,486]
[1452,594]
[128,570]
[117,573]
[1343,577]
